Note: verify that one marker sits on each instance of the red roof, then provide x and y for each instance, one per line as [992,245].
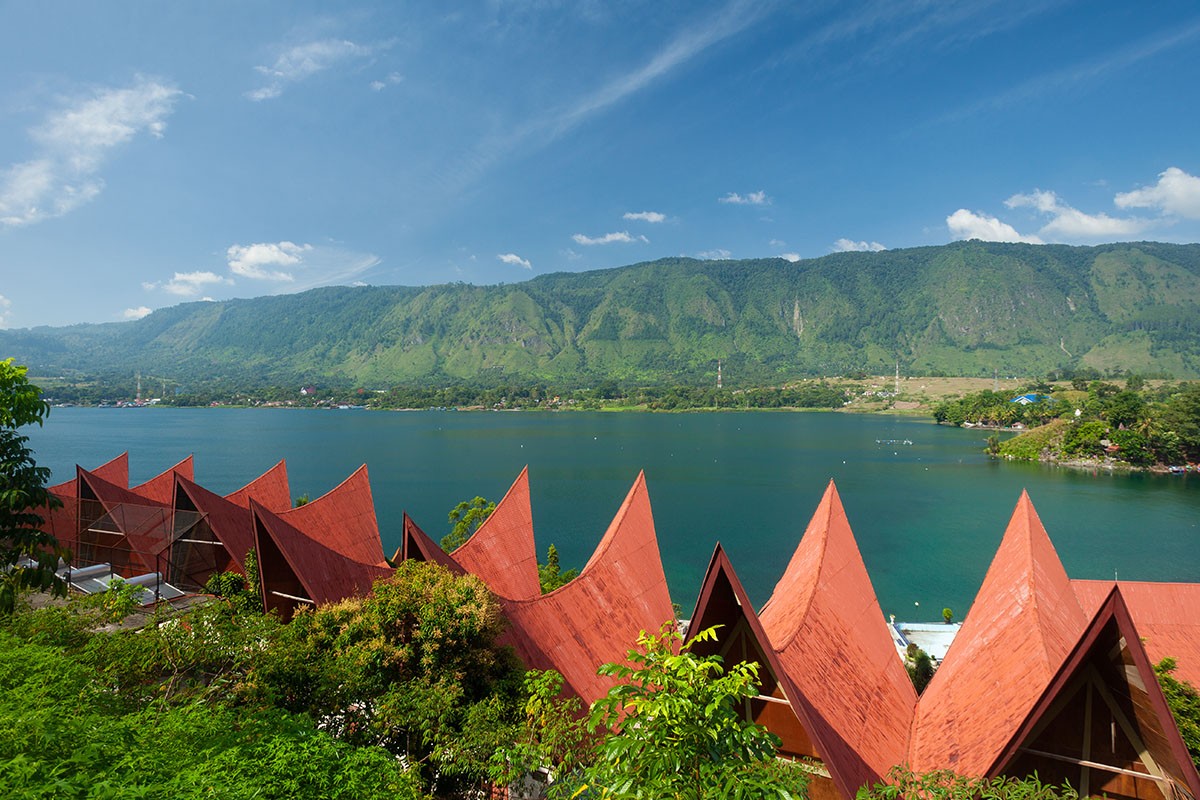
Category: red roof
[161,488]
[144,522]
[832,640]
[270,489]
[332,543]
[502,551]
[597,617]
[1167,616]
[61,522]
[417,545]
[1023,623]
[1111,643]
[231,524]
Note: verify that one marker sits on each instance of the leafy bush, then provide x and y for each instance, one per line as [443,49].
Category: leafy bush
[904,784]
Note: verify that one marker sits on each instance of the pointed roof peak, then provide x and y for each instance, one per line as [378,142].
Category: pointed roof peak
[502,551]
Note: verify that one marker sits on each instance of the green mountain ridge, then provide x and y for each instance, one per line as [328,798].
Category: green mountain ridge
[961,309]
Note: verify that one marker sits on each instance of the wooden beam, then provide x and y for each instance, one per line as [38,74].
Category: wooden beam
[294,597]
[1085,775]
[1095,765]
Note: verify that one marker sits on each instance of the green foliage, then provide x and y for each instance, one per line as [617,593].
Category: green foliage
[904,784]
[467,516]
[241,590]
[947,615]
[919,665]
[550,574]
[1184,702]
[674,728]
[28,556]
[414,668]
[120,600]
[959,309]
[552,736]
[1083,439]
[302,500]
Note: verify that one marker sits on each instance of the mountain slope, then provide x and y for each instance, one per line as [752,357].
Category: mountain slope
[963,308]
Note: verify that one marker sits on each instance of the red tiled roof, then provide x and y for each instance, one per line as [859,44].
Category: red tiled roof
[230,523]
[831,638]
[332,543]
[1113,612]
[61,522]
[1167,616]
[596,618]
[1023,623]
[161,488]
[143,521]
[417,545]
[502,551]
[115,471]
[270,489]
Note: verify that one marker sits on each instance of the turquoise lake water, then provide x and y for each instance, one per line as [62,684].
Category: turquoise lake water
[928,516]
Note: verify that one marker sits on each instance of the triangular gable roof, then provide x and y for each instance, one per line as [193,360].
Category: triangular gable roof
[61,522]
[1167,616]
[141,520]
[331,544]
[1023,623]
[723,601]
[161,488]
[270,489]
[1108,655]
[596,618]
[502,551]
[825,623]
[231,524]
[417,545]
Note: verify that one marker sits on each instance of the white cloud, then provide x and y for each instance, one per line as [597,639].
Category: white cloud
[391,80]
[514,259]
[777,243]
[136,313]
[714,254]
[849,245]
[758,198]
[1072,223]
[570,254]
[188,283]
[5,304]
[608,238]
[73,144]
[966,224]
[1176,193]
[644,216]
[793,257]
[304,60]
[252,261]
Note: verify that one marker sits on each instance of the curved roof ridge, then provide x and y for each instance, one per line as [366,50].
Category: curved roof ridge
[595,618]
[1008,648]
[502,551]
[813,544]
[271,489]
[232,524]
[115,471]
[161,488]
[343,519]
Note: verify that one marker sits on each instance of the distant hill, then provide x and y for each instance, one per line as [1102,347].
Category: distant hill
[961,309]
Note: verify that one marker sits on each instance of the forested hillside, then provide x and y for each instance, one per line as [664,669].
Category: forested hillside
[960,309]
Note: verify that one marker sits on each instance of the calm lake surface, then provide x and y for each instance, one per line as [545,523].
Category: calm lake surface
[928,516]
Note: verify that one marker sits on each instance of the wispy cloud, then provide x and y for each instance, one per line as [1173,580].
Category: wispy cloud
[5,305]
[849,245]
[392,79]
[644,216]
[715,254]
[136,313]
[1176,193]
[304,60]
[514,259]
[73,144]
[793,257]
[608,238]
[758,198]
[964,224]
[1071,223]
[1061,80]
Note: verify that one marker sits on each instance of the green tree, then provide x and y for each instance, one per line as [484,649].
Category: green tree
[904,784]
[1184,701]
[947,615]
[302,500]
[919,666]
[675,728]
[551,575]
[28,555]
[467,516]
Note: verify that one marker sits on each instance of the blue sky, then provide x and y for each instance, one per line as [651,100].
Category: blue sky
[156,153]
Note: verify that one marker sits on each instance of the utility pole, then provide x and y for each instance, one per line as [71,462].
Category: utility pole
[139,387]
[995,379]
[897,376]
[718,373]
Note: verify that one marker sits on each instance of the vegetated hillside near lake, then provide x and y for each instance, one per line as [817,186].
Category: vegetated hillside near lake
[960,309]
